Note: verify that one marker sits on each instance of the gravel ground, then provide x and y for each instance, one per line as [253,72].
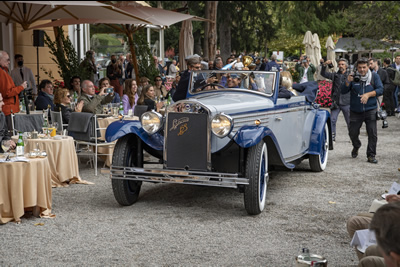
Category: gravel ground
[201,226]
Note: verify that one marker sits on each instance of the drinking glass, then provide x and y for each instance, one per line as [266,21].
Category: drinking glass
[6,145]
[105,109]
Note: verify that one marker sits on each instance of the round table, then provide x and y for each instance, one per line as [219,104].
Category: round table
[25,185]
[62,157]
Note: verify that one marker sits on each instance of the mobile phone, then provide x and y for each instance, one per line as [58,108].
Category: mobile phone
[110,90]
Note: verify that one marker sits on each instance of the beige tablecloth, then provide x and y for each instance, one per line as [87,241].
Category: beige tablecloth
[24,185]
[62,158]
[103,123]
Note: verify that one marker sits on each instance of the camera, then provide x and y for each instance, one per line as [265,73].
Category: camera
[357,77]
[330,65]
[109,90]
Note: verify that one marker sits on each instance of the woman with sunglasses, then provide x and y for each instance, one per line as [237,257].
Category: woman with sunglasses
[62,100]
[159,88]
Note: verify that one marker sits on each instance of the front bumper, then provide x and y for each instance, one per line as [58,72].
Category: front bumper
[229,180]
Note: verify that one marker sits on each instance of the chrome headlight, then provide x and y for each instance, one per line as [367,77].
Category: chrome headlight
[151,122]
[221,125]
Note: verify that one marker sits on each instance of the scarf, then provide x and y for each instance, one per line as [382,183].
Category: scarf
[367,78]
[49,96]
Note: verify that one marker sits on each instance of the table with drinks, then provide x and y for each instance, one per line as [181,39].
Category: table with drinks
[60,151]
[25,185]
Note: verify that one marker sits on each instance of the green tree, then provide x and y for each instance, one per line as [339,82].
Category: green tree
[66,57]
[374,19]
[146,63]
[321,17]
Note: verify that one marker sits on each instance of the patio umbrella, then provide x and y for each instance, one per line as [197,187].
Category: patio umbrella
[308,43]
[28,12]
[330,54]
[186,43]
[317,50]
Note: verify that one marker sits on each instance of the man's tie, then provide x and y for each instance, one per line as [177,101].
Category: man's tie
[22,74]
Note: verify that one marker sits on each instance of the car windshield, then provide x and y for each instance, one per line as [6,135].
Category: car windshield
[258,81]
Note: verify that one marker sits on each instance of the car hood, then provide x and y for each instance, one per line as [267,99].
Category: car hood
[233,102]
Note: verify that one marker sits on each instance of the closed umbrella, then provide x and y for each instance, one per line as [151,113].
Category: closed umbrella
[186,43]
[317,50]
[308,43]
[330,54]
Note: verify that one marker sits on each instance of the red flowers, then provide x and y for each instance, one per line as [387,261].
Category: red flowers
[324,94]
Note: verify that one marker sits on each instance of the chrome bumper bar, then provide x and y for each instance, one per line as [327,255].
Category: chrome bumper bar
[229,180]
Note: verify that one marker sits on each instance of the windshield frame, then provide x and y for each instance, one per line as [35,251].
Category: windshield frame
[195,74]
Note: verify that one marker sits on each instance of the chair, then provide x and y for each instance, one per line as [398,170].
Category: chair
[56,116]
[83,127]
[139,110]
[26,122]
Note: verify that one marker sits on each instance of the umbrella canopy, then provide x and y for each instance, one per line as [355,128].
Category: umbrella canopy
[330,53]
[28,12]
[186,43]
[308,43]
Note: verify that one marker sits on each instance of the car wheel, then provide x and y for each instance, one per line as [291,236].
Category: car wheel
[126,192]
[255,193]
[318,162]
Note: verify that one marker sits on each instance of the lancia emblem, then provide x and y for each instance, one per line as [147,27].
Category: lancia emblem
[176,123]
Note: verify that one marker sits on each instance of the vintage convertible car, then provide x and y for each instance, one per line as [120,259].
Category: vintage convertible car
[228,132]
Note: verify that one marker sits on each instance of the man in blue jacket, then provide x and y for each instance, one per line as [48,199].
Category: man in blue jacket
[364,87]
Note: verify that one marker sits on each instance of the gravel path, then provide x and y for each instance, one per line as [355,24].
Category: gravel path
[200,226]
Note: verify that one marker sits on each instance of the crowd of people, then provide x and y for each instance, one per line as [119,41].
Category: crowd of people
[358,94]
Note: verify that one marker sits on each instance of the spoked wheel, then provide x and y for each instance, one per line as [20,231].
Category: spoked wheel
[126,192]
[318,162]
[255,193]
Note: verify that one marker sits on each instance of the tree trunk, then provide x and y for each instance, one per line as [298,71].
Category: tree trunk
[129,32]
[225,37]
[212,31]
[206,29]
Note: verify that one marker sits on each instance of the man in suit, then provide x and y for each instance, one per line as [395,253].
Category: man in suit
[374,67]
[396,65]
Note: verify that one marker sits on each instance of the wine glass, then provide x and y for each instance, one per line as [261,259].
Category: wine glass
[6,145]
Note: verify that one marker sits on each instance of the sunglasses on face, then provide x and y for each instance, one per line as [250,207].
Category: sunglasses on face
[69,96]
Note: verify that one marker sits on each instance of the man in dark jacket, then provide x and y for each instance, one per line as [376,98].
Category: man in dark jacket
[193,63]
[46,95]
[374,67]
[364,86]
[388,93]
[340,102]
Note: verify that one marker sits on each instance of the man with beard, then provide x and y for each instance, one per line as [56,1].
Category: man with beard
[364,86]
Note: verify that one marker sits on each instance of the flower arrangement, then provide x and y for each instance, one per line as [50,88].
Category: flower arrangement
[58,84]
[324,93]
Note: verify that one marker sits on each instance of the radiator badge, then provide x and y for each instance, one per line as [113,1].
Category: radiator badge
[182,129]
[176,123]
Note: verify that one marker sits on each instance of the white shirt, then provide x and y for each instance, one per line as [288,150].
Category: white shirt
[397,67]
[239,66]
[304,79]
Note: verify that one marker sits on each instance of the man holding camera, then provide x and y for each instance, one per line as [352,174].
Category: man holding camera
[305,69]
[364,86]
[340,102]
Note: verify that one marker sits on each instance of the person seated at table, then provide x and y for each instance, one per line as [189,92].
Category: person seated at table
[75,85]
[147,98]
[92,103]
[130,97]
[62,99]
[45,97]
[142,83]
[159,88]
[105,83]
[3,126]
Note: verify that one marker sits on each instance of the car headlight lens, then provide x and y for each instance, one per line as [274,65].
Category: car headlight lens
[221,125]
[151,122]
